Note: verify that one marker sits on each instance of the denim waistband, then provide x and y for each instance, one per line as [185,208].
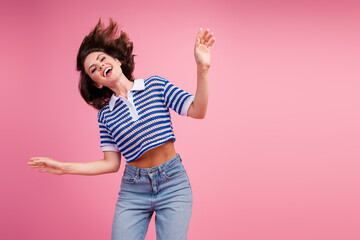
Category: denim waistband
[146,171]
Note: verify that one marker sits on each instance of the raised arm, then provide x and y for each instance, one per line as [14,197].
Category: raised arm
[110,164]
[203,43]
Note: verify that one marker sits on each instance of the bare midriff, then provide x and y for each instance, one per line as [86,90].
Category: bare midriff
[156,156]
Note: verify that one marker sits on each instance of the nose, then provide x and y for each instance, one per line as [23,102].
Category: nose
[100,66]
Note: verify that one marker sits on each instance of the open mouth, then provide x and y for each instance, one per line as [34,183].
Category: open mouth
[107,71]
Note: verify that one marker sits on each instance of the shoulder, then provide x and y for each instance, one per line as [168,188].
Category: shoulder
[155,78]
[103,112]
[155,82]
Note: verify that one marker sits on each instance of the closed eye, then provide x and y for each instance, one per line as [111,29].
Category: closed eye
[102,59]
[93,70]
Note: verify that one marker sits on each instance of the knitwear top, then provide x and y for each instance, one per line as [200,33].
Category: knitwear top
[142,121]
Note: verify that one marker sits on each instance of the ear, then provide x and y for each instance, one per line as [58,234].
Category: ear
[117,60]
[98,85]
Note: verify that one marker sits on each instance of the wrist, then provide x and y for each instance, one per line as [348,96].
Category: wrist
[203,68]
[65,168]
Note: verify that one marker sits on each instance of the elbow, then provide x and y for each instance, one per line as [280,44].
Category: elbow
[199,116]
[112,159]
[196,113]
[112,167]
[202,116]
[116,168]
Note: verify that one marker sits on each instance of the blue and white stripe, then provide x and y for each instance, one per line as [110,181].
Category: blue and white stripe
[132,135]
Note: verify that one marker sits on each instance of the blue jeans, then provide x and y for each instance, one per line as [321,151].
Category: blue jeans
[164,189]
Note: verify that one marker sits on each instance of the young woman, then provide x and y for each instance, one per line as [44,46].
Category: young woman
[134,122]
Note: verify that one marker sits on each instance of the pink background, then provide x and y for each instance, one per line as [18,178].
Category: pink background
[277,156]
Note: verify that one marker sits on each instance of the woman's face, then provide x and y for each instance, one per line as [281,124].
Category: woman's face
[103,69]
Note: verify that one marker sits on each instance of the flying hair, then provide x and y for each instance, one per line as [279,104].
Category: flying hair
[112,42]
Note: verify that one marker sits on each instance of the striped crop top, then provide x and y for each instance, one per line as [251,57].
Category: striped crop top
[141,122]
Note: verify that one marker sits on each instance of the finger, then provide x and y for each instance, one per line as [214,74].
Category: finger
[43,170]
[208,37]
[36,166]
[199,33]
[203,37]
[38,159]
[197,41]
[211,42]
[205,33]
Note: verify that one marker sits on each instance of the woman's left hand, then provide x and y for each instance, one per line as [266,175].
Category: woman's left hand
[204,41]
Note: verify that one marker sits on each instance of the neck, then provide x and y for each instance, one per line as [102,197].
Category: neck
[122,86]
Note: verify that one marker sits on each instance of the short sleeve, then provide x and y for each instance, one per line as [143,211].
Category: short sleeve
[176,98]
[107,142]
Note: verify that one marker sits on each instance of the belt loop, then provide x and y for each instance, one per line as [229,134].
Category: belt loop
[137,173]
[160,169]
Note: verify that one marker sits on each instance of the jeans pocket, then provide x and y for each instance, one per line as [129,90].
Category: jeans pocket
[128,177]
[175,171]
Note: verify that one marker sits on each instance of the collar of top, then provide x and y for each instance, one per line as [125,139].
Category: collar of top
[137,86]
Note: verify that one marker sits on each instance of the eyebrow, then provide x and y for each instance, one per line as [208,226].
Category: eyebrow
[96,59]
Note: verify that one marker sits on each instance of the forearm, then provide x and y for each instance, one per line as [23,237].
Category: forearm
[202,93]
[89,168]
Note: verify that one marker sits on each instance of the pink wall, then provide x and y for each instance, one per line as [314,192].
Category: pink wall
[277,156]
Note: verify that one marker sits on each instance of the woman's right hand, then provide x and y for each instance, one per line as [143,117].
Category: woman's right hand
[49,165]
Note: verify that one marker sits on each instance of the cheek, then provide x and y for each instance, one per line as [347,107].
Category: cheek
[118,67]
[94,76]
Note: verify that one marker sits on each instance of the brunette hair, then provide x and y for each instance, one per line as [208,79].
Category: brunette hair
[106,40]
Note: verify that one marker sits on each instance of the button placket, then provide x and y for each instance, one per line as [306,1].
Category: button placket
[130,103]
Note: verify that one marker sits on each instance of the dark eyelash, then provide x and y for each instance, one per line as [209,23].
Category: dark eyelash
[102,59]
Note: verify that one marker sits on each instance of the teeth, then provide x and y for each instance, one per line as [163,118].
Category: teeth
[106,71]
